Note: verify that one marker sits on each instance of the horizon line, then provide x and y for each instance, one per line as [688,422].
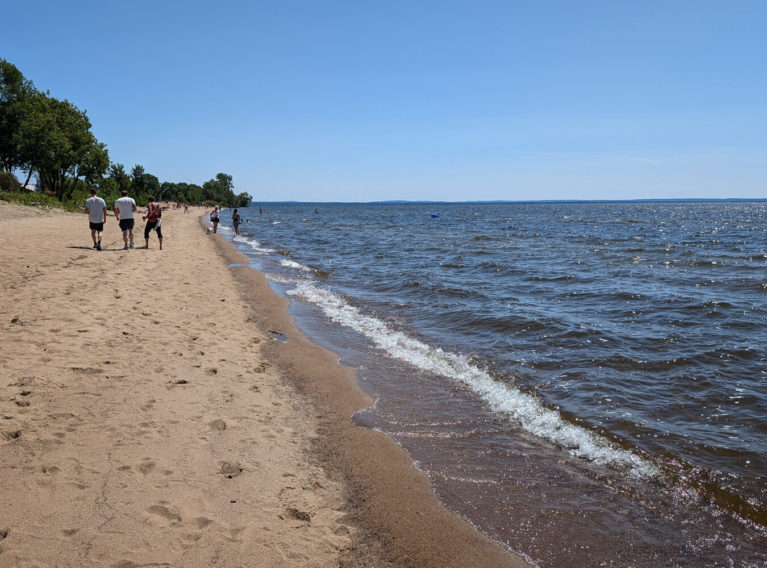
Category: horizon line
[525,201]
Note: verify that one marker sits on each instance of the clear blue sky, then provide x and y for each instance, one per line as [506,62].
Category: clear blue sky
[360,100]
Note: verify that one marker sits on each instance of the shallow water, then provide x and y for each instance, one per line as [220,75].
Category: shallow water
[583,381]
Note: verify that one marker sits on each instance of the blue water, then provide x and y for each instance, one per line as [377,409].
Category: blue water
[551,365]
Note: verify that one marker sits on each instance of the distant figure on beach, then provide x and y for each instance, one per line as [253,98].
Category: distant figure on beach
[214,218]
[236,222]
[96,209]
[153,221]
[186,208]
[124,208]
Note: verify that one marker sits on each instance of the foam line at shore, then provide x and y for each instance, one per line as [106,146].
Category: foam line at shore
[522,408]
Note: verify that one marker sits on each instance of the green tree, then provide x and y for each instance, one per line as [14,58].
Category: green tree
[14,90]
[220,190]
[137,180]
[56,141]
[243,199]
[193,193]
[109,190]
[121,178]
[225,182]
[151,185]
[143,184]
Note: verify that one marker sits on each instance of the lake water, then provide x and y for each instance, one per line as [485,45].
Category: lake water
[584,382]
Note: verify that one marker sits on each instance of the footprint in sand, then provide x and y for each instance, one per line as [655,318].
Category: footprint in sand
[202,522]
[217,424]
[231,469]
[164,512]
[300,515]
[12,435]
[342,530]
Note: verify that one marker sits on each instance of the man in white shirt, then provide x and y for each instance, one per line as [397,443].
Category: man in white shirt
[96,209]
[124,208]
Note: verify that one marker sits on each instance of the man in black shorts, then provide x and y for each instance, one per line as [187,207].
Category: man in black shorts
[96,209]
[124,208]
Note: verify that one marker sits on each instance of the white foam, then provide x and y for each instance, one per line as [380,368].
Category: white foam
[522,408]
[254,244]
[296,265]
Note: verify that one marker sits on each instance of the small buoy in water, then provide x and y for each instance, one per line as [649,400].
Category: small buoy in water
[435,215]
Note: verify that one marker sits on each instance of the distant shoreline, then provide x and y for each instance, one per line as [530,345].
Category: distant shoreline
[519,202]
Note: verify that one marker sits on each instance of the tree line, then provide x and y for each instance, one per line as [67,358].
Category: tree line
[51,139]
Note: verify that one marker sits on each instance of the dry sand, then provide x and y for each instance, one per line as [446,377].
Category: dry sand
[150,415]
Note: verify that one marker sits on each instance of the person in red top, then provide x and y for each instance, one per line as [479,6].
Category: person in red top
[153,220]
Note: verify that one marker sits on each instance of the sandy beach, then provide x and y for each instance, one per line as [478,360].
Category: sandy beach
[160,408]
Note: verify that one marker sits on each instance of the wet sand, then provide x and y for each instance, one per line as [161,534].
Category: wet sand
[160,408]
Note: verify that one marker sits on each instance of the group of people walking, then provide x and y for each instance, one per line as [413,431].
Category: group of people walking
[124,208]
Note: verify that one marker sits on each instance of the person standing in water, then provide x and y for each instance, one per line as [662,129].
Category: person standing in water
[214,218]
[153,221]
[236,222]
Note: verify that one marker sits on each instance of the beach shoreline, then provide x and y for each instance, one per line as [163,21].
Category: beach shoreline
[161,406]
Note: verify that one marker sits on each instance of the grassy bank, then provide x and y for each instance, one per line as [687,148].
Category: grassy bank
[39,200]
